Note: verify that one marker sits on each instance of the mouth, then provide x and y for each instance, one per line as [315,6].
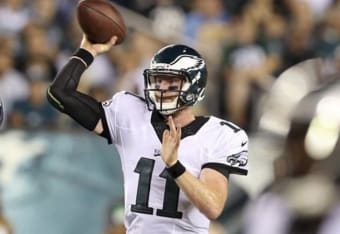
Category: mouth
[166,99]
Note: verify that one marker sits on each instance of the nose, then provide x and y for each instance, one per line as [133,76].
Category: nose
[164,84]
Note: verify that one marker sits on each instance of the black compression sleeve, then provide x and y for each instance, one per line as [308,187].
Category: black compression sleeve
[62,94]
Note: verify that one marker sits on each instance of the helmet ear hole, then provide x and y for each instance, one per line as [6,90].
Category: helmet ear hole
[189,97]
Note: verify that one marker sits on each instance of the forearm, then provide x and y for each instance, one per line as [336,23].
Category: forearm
[63,94]
[209,201]
[208,192]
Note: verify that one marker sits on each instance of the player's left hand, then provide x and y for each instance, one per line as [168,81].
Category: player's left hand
[170,143]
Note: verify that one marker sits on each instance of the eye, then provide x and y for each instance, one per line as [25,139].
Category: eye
[176,80]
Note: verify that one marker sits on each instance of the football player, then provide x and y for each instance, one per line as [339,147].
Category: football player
[175,165]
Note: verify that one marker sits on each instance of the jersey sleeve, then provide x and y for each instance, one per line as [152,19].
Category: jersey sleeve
[120,112]
[230,154]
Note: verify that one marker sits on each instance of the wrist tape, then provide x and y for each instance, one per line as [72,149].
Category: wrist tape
[176,170]
[85,56]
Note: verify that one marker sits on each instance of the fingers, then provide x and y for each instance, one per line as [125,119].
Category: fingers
[83,39]
[172,126]
[175,131]
[110,43]
[86,44]
[113,40]
[170,142]
[179,133]
[107,46]
[165,135]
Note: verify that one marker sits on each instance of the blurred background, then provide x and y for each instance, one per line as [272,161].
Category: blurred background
[273,69]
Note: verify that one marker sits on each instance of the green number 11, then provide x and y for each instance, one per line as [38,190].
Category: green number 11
[170,201]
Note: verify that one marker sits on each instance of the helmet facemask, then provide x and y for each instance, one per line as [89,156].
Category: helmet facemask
[167,101]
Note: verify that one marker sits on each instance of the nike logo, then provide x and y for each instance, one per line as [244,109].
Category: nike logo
[243,143]
[156,153]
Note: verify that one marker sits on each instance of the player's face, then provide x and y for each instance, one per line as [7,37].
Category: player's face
[170,85]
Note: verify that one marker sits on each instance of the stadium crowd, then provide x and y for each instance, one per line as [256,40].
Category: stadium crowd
[247,44]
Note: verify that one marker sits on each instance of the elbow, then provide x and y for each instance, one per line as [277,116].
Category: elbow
[213,214]
[214,208]
[53,90]
[54,97]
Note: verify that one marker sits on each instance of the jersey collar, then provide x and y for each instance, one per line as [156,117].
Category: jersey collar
[159,125]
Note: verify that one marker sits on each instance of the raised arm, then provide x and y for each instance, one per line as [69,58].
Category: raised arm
[63,94]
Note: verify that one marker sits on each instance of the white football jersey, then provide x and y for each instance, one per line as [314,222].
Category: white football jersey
[153,201]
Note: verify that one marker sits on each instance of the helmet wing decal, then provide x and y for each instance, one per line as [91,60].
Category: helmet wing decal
[183,61]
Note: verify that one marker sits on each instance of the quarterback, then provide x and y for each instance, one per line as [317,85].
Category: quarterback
[175,165]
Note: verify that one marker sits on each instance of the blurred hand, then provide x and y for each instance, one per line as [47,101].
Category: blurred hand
[95,49]
[170,144]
